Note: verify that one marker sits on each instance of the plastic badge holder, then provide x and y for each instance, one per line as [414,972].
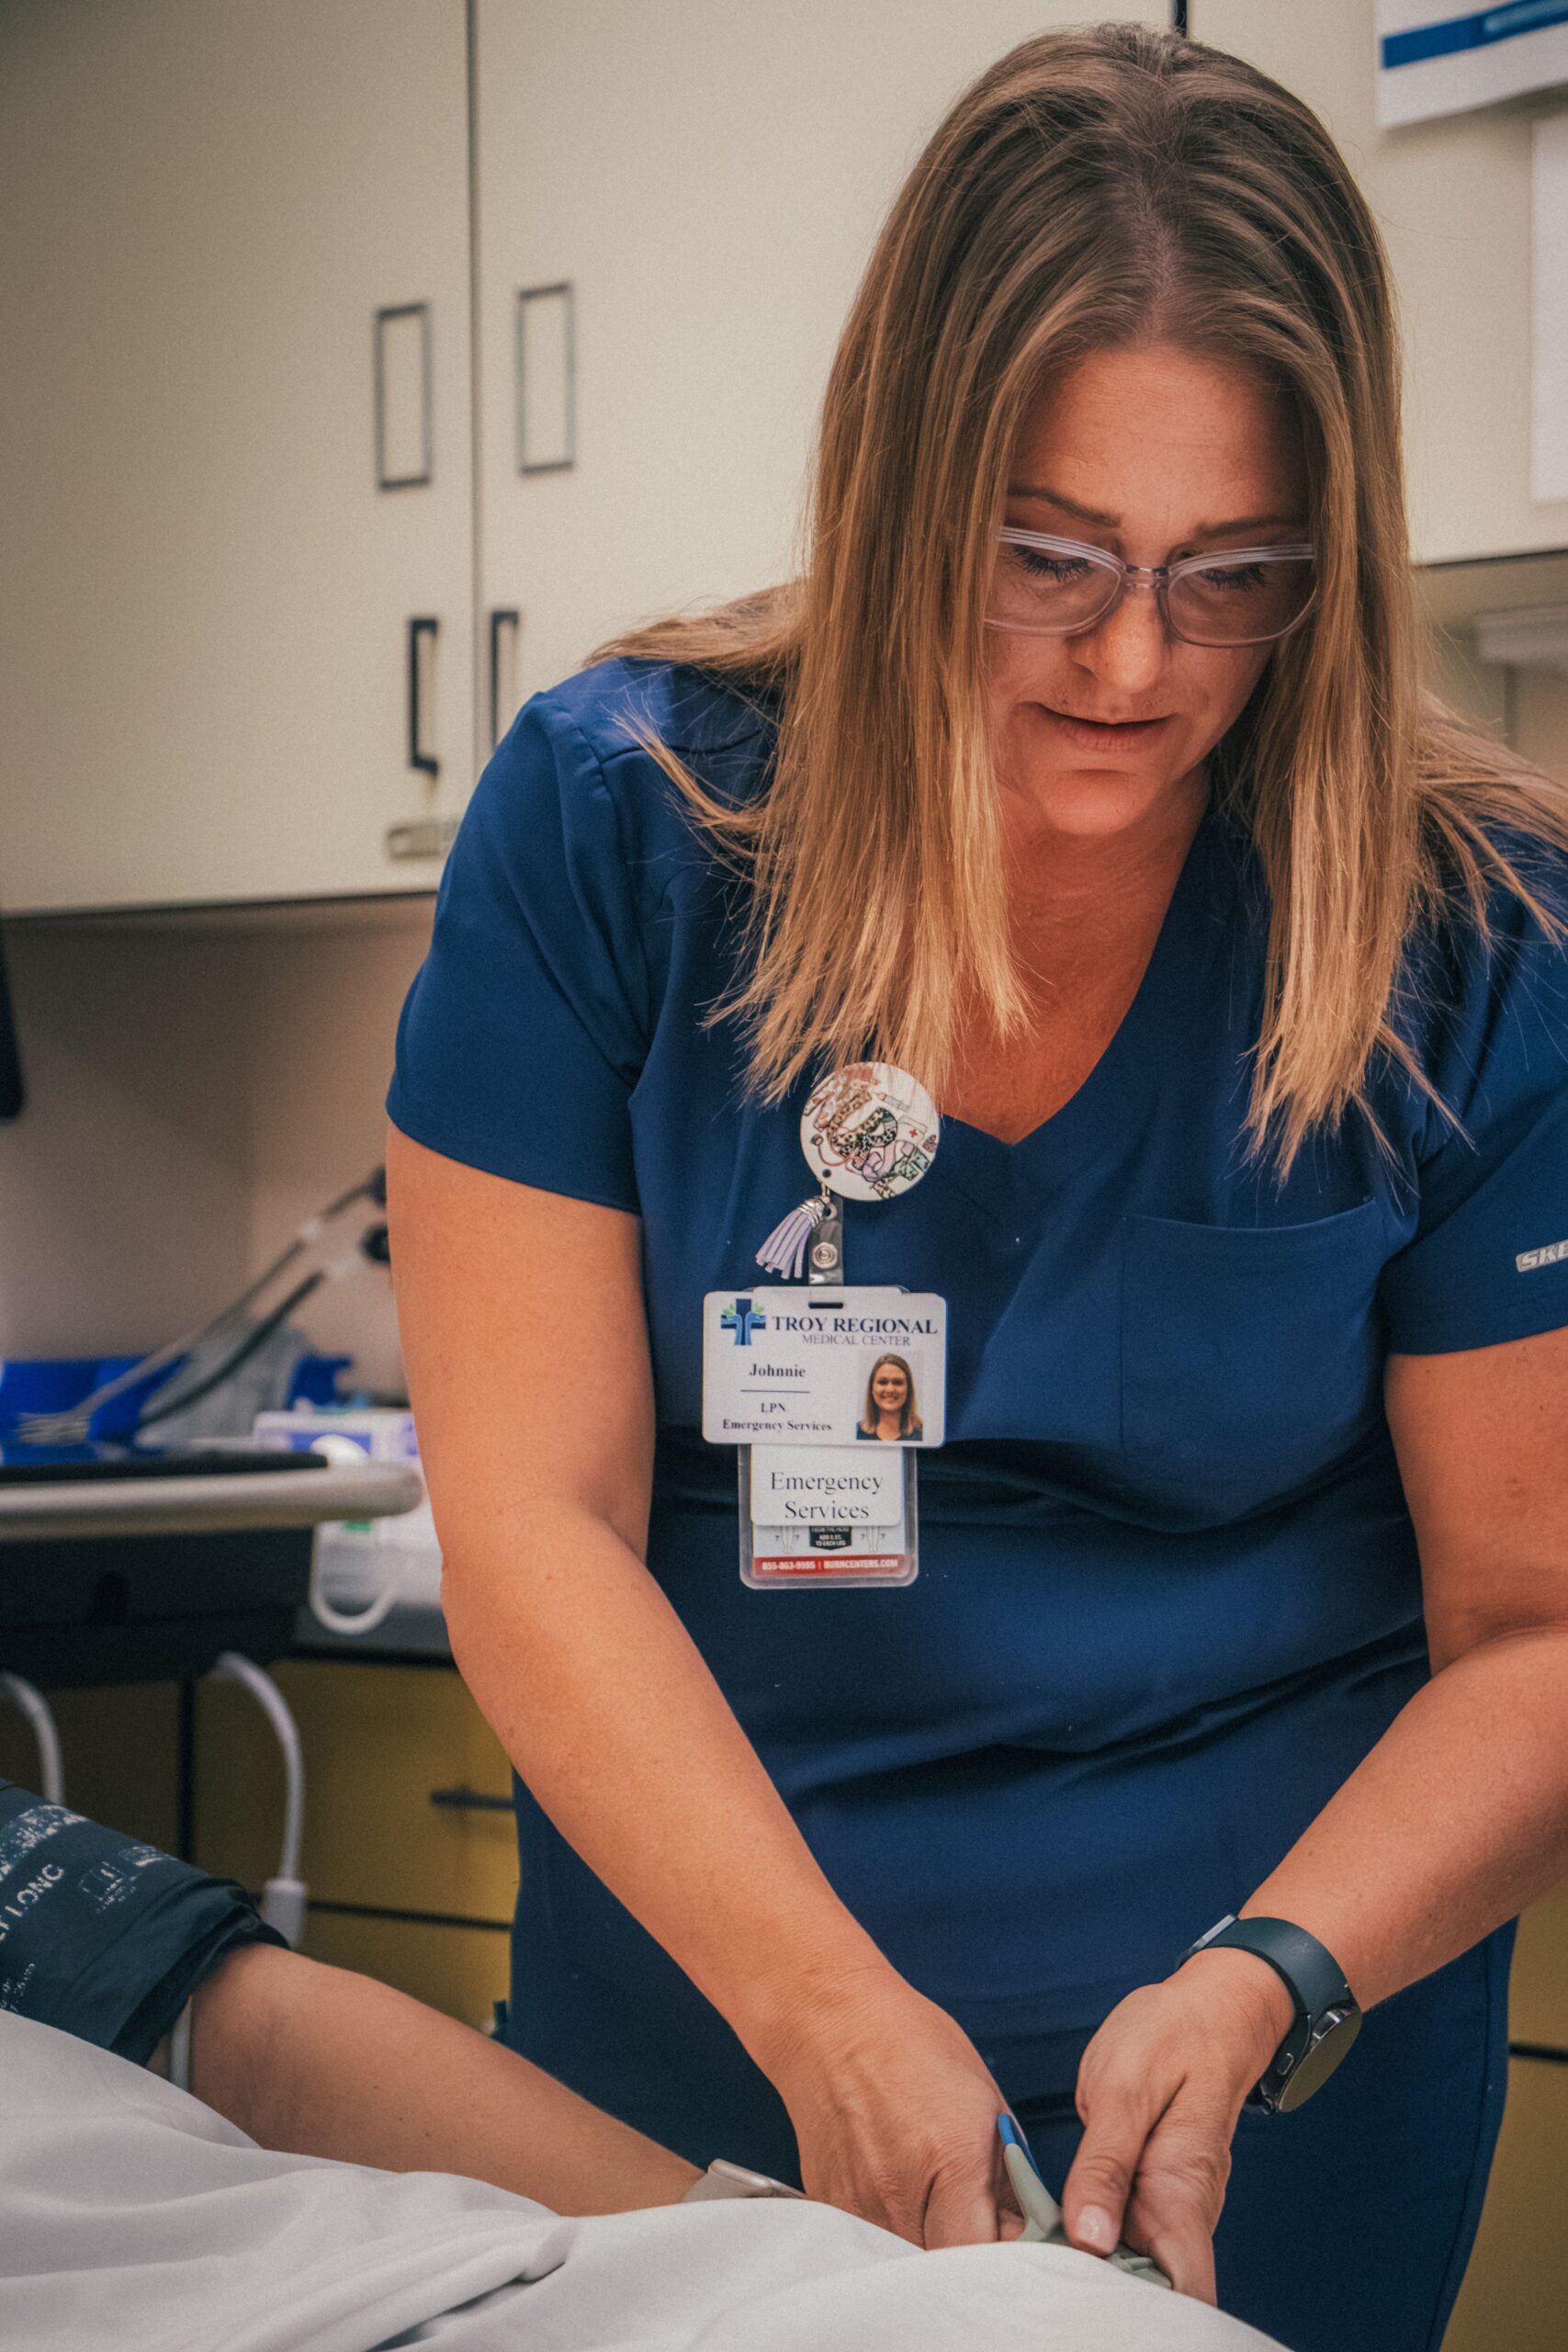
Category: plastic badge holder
[822,1550]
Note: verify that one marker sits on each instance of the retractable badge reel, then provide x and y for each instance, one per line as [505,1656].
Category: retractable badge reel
[825,1388]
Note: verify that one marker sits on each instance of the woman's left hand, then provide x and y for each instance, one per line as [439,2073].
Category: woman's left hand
[1159,2090]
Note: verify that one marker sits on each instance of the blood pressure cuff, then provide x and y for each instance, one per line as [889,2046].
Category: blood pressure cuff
[105,1939]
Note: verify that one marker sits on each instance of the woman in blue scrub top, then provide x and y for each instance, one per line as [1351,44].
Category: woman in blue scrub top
[1068,781]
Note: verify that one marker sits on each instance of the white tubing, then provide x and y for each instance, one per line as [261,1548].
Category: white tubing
[283,1905]
[179,2048]
[36,1707]
[326,1612]
[284,1896]
[358,1620]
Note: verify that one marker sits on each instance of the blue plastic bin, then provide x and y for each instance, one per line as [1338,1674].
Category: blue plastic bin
[53,1384]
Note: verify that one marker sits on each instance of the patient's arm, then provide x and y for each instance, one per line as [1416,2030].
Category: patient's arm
[320,2061]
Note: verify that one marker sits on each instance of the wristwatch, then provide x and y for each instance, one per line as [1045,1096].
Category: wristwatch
[1326,2020]
[724,2180]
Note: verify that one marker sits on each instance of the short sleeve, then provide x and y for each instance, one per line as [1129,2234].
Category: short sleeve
[1489,1259]
[526,1027]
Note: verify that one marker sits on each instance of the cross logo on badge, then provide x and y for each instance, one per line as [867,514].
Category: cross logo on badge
[741,1320]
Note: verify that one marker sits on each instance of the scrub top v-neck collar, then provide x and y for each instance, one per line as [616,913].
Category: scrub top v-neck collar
[1116,1094]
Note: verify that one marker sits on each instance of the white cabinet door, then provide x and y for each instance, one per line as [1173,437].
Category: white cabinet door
[204,596]
[1453,200]
[708,179]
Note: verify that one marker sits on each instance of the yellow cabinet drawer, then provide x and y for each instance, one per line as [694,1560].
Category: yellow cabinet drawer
[1537,2001]
[1516,2291]
[380,1742]
[462,1971]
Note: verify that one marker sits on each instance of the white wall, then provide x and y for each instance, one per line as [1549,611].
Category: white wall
[123,1186]
[324,1009]
[193,1093]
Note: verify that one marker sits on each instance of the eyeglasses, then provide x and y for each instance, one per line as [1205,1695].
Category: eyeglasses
[1049,587]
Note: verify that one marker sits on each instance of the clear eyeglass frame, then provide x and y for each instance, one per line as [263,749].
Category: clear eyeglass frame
[1157,577]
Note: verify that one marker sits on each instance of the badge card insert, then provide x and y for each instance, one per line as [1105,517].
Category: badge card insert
[806,1517]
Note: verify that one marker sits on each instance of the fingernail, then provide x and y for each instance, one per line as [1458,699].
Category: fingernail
[1096,2230]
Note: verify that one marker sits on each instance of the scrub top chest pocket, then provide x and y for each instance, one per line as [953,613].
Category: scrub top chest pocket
[1251,1356]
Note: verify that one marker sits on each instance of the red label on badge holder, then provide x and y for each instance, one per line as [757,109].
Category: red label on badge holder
[890,1567]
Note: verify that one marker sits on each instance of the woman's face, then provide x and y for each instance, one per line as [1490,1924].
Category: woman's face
[1154,453]
[890,1388]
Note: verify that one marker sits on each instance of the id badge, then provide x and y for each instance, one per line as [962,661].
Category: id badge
[830,1394]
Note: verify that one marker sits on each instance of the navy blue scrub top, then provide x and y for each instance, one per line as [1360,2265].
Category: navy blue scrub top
[1169,1593]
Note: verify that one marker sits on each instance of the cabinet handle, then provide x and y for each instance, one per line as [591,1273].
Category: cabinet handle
[502,618]
[466,1800]
[425,761]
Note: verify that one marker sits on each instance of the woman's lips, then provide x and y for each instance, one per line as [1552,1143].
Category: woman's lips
[1097,734]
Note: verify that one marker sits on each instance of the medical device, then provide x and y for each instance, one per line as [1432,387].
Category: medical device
[723,2179]
[314,1242]
[362,1569]
[1043,2216]
[284,1897]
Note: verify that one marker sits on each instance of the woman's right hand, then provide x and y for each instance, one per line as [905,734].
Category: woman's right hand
[895,2111]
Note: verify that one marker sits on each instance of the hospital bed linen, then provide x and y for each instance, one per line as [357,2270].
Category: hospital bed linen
[134,2218]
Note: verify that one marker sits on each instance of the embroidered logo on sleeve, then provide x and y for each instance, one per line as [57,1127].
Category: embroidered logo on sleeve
[1552,1254]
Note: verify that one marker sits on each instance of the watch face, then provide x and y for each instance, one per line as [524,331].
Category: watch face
[1328,2045]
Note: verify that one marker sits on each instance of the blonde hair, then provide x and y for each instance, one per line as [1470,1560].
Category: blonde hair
[1094,189]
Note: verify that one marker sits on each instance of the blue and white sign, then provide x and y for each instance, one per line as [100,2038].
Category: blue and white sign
[1435,58]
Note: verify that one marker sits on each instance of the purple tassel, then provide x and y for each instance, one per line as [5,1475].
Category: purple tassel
[784,1251]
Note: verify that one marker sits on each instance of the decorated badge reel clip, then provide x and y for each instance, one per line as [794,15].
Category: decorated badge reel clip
[869,1132]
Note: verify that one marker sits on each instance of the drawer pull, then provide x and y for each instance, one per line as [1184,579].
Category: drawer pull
[466,1799]
[425,761]
[504,621]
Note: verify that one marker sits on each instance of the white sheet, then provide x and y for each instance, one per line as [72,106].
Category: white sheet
[133,2218]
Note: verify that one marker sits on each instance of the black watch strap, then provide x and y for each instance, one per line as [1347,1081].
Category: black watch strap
[1327,2017]
[1311,1974]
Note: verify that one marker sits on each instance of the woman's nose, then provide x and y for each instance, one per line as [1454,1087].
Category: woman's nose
[1129,648]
